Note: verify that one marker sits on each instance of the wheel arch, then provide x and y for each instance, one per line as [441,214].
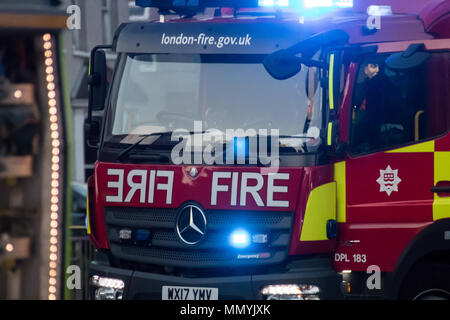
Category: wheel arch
[432,243]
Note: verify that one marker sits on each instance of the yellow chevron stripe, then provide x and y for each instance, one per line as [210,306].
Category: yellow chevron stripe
[339,177]
[320,208]
[441,205]
[419,147]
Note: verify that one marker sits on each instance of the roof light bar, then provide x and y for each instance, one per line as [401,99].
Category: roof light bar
[307,4]
[344,3]
[273,3]
[379,10]
[318,3]
[198,3]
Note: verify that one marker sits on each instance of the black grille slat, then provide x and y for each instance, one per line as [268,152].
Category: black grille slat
[166,217]
[169,239]
[145,217]
[190,259]
[165,248]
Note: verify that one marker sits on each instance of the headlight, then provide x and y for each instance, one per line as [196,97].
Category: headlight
[107,288]
[291,292]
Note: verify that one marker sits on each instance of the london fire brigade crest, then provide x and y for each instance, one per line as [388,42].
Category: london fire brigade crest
[389,180]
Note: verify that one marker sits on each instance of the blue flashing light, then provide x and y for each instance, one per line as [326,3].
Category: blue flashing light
[273,3]
[240,239]
[344,3]
[142,235]
[317,3]
[327,3]
[240,145]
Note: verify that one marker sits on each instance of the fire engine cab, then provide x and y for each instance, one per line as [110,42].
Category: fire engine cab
[273,149]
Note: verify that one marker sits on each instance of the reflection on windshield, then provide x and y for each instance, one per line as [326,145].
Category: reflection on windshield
[165,92]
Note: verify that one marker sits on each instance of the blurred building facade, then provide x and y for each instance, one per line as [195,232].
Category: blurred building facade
[99,20]
[35,145]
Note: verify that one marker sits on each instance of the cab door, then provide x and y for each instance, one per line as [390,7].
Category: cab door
[396,176]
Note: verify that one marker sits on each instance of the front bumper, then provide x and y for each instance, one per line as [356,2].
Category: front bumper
[148,286]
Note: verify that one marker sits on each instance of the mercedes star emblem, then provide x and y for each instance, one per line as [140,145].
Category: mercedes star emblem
[193,172]
[191,224]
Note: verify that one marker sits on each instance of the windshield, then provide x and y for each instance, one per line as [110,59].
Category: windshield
[156,93]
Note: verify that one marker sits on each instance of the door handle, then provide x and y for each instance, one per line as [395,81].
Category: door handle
[441,187]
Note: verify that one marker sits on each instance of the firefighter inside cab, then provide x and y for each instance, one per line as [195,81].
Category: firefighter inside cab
[279,151]
[385,102]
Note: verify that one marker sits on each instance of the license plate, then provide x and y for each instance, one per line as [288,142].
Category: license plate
[189,293]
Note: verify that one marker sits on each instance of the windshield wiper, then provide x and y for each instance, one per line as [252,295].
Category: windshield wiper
[296,137]
[125,152]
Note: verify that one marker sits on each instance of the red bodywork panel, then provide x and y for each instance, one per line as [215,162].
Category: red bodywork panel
[413,202]
[436,18]
[380,244]
[378,226]
[200,190]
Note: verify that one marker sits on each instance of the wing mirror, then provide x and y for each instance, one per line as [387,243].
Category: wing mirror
[281,65]
[413,57]
[98,86]
[286,63]
[97,80]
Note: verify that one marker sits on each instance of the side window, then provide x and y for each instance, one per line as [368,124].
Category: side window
[394,108]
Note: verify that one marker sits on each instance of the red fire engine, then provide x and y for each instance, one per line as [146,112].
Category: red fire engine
[299,151]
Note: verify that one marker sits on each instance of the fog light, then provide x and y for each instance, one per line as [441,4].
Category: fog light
[108,294]
[107,288]
[291,292]
[125,234]
[259,238]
